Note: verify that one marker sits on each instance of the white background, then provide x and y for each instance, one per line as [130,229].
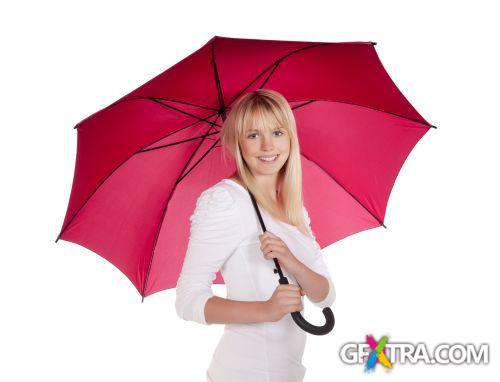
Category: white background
[431,276]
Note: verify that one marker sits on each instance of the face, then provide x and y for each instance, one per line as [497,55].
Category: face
[265,141]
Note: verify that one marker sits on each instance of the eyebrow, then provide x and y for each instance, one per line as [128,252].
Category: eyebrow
[256,130]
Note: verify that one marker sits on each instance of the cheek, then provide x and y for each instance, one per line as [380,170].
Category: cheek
[284,146]
[249,149]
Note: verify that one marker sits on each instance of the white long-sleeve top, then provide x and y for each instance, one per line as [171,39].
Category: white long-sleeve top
[224,236]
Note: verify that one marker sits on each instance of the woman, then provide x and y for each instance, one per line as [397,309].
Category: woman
[261,342]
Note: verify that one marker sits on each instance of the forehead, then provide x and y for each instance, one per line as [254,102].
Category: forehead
[259,125]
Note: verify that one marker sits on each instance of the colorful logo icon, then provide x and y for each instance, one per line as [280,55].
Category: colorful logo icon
[377,353]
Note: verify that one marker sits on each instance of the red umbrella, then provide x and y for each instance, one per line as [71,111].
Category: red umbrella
[143,160]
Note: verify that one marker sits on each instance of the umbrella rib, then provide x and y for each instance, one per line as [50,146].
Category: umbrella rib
[341,185]
[179,178]
[303,104]
[168,100]
[186,103]
[116,168]
[178,142]
[145,98]
[214,145]
[182,111]
[220,96]
[273,65]
[307,102]
[206,119]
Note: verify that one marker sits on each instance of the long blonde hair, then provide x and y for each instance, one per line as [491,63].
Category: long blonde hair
[273,109]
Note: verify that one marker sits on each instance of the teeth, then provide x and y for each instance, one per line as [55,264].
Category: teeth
[268,159]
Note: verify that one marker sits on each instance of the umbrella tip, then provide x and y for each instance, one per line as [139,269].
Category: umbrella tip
[142,298]
[434,127]
[383,225]
[75,126]
[373,42]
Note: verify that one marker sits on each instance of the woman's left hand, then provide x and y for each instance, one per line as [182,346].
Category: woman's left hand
[272,246]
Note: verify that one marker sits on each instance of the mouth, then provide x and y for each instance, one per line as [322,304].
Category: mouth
[268,158]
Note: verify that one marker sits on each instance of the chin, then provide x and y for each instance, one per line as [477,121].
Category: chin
[269,171]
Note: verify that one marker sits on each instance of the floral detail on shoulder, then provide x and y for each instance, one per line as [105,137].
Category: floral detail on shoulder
[215,214]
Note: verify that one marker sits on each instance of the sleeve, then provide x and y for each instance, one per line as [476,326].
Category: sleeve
[215,232]
[318,265]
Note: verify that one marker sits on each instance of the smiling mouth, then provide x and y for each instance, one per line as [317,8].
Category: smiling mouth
[268,159]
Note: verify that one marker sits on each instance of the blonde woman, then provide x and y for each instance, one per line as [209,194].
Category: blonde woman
[261,342]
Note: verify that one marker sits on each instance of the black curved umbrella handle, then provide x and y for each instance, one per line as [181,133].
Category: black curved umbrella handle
[297,317]
[308,327]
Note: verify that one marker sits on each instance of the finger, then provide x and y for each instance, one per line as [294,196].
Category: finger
[289,293]
[267,242]
[273,240]
[273,255]
[297,308]
[298,293]
[274,248]
[265,236]
[271,252]
[291,301]
[270,248]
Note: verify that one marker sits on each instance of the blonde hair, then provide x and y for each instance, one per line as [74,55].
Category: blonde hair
[272,109]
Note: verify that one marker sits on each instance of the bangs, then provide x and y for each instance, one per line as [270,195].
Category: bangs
[260,115]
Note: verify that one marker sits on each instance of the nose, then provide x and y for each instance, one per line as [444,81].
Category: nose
[266,143]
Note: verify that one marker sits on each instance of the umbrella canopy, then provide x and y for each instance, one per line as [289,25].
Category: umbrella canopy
[143,160]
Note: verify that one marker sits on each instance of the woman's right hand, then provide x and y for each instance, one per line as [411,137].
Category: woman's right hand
[286,299]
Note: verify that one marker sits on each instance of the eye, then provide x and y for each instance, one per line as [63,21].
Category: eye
[251,136]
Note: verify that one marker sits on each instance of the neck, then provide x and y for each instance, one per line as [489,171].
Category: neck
[267,183]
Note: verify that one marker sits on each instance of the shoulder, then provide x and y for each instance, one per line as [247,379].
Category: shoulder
[215,198]
[216,215]
[222,198]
